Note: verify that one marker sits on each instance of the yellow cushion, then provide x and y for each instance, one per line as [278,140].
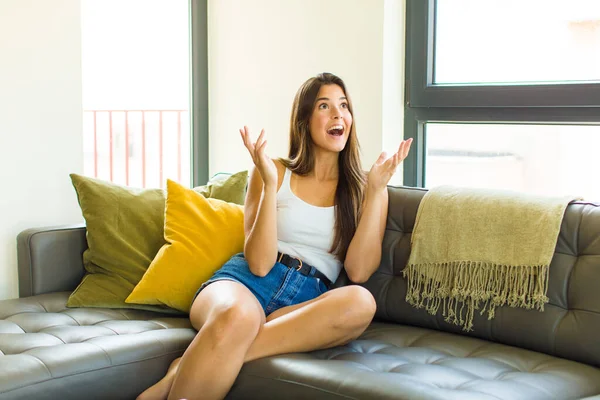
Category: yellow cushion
[201,235]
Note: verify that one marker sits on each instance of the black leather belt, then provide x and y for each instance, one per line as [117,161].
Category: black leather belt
[302,267]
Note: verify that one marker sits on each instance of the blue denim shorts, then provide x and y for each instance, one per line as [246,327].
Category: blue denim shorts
[281,287]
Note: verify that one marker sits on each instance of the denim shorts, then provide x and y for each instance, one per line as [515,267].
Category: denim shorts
[281,287]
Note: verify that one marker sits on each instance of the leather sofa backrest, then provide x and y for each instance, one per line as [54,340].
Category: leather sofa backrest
[569,325]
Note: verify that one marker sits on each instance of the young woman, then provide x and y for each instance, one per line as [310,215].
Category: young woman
[306,218]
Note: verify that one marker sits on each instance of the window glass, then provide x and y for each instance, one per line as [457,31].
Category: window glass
[539,159]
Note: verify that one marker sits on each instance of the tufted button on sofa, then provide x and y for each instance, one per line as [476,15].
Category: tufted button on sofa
[48,351]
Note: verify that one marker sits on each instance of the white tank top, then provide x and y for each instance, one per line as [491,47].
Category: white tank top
[305,231]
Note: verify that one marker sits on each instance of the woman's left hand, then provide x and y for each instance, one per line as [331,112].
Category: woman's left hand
[384,168]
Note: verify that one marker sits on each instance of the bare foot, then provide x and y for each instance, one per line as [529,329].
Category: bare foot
[160,390]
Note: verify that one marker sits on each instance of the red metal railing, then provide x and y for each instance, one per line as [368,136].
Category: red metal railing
[148,145]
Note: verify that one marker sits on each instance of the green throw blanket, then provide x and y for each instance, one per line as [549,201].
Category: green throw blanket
[481,248]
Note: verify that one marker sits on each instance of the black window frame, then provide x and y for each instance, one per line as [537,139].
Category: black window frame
[426,102]
[199,90]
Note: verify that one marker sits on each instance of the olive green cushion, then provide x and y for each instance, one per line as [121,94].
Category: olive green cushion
[125,230]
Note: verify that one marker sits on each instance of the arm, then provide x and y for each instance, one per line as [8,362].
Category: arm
[260,208]
[260,225]
[364,252]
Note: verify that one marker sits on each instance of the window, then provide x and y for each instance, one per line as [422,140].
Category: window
[140,78]
[516,41]
[503,94]
[541,159]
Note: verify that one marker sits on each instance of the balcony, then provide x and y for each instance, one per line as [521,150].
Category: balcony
[139,148]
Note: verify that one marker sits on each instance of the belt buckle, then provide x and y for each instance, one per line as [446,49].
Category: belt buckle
[299,267]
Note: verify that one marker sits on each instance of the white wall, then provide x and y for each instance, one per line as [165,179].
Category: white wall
[261,51]
[40,121]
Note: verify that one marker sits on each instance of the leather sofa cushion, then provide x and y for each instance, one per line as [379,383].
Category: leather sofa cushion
[392,361]
[50,351]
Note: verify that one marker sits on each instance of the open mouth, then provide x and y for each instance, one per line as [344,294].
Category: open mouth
[336,130]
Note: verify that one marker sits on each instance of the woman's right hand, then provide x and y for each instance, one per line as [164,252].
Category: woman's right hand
[265,165]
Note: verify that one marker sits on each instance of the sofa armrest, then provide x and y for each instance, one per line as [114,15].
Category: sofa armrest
[50,259]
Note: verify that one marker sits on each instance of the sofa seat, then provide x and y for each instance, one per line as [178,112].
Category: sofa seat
[49,351]
[392,361]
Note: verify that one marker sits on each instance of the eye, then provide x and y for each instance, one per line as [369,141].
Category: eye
[344,105]
[323,106]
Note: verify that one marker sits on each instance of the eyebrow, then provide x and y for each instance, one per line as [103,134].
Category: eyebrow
[327,98]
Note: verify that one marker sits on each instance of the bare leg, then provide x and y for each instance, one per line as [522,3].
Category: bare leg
[227,317]
[331,319]
[160,390]
[338,316]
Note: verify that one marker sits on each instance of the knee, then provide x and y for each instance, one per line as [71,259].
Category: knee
[234,321]
[360,307]
[364,302]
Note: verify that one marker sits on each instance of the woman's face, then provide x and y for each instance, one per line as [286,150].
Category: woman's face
[331,119]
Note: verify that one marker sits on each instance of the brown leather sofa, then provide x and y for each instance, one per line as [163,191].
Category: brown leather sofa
[48,351]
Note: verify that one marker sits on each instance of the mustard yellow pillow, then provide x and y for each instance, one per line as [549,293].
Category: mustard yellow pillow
[201,235]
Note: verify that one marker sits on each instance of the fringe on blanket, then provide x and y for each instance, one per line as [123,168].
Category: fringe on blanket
[461,287]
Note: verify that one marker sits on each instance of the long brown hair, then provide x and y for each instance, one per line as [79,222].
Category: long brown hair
[301,160]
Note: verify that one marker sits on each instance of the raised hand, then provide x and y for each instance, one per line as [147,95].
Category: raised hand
[384,168]
[265,165]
